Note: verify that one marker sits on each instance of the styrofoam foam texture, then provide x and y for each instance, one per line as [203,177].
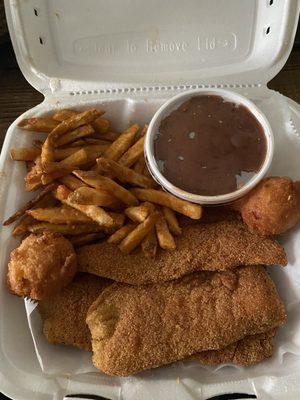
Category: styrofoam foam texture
[272,379]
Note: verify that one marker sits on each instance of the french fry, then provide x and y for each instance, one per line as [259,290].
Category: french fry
[59,215]
[30,204]
[38,124]
[165,238]
[172,221]
[66,125]
[193,211]
[97,181]
[53,171]
[140,165]
[132,155]
[37,144]
[124,174]
[78,143]
[29,165]
[41,227]
[95,213]
[33,179]
[92,140]
[93,151]
[61,115]
[149,244]
[22,226]
[118,218]
[101,125]
[78,133]
[134,239]
[121,233]
[81,240]
[71,182]
[141,212]
[24,154]
[109,136]
[122,144]
[97,197]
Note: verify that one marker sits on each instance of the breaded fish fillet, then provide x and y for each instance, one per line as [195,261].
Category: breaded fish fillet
[135,328]
[248,351]
[64,314]
[219,246]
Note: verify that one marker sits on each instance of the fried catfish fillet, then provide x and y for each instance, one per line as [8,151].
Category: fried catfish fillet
[64,314]
[135,328]
[219,246]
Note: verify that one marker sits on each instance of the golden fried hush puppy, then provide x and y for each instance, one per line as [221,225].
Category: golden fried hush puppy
[42,265]
[272,207]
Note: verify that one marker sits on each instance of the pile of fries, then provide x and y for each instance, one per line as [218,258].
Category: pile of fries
[95,183]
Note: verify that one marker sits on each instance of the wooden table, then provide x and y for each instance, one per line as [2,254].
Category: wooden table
[17,96]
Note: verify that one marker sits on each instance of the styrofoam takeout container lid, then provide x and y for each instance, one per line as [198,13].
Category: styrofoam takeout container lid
[132,55]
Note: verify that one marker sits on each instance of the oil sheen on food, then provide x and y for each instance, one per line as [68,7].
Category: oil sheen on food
[210,146]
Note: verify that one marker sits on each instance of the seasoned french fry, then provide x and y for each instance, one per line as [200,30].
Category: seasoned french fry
[59,215]
[165,238]
[24,154]
[172,221]
[149,244]
[132,155]
[121,233]
[33,179]
[101,125]
[109,136]
[140,165]
[78,133]
[130,242]
[81,240]
[38,124]
[93,151]
[71,182]
[141,212]
[61,115]
[30,204]
[66,125]
[97,197]
[97,181]
[53,171]
[193,211]
[96,214]
[124,174]
[23,225]
[122,144]
[41,227]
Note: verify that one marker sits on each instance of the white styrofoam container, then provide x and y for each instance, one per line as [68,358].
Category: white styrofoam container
[132,55]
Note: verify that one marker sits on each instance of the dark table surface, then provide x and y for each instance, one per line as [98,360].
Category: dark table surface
[17,96]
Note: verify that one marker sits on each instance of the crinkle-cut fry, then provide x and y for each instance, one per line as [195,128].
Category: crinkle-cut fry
[65,229]
[24,153]
[97,197]
[30,204]
[59,215]
[164,236]
[78,133]
[83,239]
[97,181]
[93,151]
[56,170]
[44,125]
[61,115]
[149,244]
[124,174]
[172,221]
[140,165]
[191,210]
[96,214]
[121,233]
[132,155]
[141,212]
[122,144]
[134,239]
[71,182]
[66,125]
[101,125]
[109,136]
